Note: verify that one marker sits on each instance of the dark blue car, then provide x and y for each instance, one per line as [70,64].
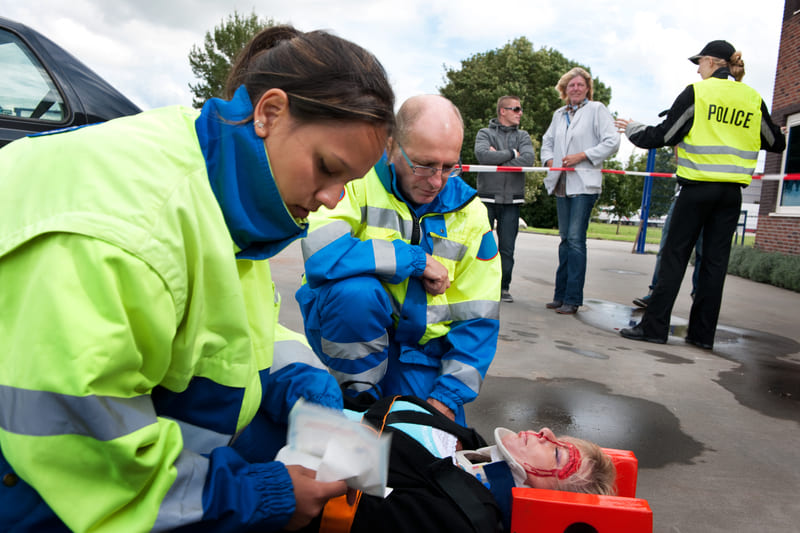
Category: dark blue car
[43,87]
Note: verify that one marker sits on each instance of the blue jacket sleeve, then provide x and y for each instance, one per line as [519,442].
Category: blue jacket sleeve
[333,249]
[296,373]
[241,496]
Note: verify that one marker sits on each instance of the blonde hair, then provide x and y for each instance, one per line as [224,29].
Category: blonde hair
[597,473]
[734,64]
[561,86]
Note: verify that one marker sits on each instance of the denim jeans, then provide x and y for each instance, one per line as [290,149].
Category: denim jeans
[573,222]
[507,216]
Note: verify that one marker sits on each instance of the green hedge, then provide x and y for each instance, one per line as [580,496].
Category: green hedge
[766,267]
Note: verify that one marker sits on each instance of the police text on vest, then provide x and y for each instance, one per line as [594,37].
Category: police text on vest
[727,115]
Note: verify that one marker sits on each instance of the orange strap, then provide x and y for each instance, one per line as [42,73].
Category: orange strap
[338,516]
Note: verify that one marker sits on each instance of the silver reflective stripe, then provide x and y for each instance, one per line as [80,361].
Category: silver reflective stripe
[41,414]
[466,374]
[353,351]
[718,150]
[292,351]
[385,263]
[368,378]
[322,237]
[728,169]
[183,503]
[682,120]
[449,249]
[200,439]
[387,218]
[463,311]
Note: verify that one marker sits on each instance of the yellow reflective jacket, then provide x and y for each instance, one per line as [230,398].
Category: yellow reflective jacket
[725,137]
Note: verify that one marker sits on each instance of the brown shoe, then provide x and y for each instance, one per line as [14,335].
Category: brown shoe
[555,304]
[567,309]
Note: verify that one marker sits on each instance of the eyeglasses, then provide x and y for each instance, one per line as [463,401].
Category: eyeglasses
[426,172]
[517,109]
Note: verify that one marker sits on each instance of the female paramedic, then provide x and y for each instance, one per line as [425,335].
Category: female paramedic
[139,325]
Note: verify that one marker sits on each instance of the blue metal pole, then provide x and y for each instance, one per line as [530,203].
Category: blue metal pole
[645,208]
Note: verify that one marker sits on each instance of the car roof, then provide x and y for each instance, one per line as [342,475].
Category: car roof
[99,100]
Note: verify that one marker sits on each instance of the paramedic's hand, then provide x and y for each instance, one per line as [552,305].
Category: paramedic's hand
[310,495]
[435,279]
[442,408]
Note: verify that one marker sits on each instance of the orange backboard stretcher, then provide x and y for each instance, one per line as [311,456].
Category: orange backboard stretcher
[552,511]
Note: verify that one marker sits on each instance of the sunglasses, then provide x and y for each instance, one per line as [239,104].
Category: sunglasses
[517,109]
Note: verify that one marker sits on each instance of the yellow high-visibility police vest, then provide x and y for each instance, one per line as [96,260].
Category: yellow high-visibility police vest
[725,138]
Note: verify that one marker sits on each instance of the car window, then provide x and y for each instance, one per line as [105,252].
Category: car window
[26,90]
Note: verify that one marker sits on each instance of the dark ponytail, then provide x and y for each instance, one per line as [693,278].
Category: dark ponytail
[326,77]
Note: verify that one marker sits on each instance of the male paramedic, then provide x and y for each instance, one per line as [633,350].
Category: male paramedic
[403,276]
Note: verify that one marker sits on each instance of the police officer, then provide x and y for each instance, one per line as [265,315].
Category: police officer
[718,125]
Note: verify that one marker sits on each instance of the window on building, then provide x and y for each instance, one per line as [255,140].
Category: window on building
[789,191]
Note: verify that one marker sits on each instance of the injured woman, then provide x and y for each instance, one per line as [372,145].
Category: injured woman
[443,477]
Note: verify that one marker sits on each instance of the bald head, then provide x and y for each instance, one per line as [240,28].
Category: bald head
[430,132]
[429,115]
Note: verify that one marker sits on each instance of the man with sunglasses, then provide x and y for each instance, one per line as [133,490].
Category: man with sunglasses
[402,277]
[503,193]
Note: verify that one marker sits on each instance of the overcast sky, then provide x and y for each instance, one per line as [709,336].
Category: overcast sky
[637,47]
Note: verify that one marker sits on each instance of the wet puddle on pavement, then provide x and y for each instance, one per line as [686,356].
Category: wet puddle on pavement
[587,410]
[767,380]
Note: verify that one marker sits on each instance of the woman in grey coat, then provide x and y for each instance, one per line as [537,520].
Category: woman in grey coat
[581,136]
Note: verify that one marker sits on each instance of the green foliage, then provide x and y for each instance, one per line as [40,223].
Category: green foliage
[765,267]
[539,209]
[663,188]
[213,61]
[608,232]
[622,194]
[515,69]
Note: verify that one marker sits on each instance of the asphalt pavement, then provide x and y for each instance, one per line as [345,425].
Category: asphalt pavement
[717,434]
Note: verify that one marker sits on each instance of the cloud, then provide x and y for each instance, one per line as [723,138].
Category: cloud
[637,48]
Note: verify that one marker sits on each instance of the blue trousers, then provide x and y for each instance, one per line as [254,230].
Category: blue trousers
[349,325]
[573,222]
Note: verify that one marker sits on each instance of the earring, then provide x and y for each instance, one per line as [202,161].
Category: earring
[259,124]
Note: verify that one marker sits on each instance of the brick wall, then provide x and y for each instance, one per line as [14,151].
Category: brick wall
[777,233]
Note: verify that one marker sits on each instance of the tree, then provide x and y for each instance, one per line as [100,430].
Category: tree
[212,63]
[621,193]
[663,188]
[520,70]
[515,69]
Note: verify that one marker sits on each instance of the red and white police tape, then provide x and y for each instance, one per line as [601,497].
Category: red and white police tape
[494,168]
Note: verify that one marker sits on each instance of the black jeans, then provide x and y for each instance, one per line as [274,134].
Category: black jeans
[507,216]
[711,207]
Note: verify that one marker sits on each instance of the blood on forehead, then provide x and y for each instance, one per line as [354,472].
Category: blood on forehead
[570,466]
